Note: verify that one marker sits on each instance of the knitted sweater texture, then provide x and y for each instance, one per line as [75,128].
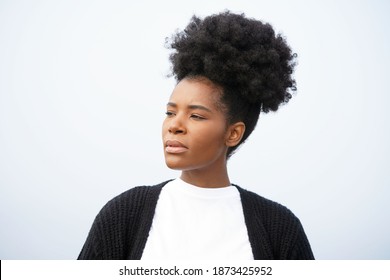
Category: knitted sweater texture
[121,228]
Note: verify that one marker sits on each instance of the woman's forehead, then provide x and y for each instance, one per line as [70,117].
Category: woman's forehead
[196,91]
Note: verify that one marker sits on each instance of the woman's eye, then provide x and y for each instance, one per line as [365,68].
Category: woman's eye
[197,117]
[169,114]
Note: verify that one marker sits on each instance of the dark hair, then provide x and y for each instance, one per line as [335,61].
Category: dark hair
[243,56]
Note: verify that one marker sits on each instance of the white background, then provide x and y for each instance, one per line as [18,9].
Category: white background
[83,90]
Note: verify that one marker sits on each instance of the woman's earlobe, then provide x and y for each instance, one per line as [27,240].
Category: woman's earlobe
[235,134]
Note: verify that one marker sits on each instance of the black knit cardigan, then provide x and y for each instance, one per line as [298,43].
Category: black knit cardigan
[121,228]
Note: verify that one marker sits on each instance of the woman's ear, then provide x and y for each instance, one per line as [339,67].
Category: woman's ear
[235,133]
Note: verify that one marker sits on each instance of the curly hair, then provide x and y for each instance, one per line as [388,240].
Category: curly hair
[244,57]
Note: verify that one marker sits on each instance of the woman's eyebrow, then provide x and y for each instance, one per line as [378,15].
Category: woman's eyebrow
[200,107]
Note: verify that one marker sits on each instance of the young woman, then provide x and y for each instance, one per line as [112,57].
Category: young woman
[229,68]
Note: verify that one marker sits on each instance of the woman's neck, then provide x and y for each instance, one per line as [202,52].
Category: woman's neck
[206,178]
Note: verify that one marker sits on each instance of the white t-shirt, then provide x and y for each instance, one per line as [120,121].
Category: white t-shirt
[192,223]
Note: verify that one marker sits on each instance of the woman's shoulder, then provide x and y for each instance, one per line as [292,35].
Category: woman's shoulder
[134,198]
[277,225]
[265,207]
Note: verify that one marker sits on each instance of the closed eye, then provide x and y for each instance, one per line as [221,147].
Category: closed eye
[169,114]
[197,117]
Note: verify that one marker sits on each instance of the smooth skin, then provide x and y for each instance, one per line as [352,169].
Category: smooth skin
[196,135]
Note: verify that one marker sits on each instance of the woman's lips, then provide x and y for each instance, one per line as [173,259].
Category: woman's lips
[175,147]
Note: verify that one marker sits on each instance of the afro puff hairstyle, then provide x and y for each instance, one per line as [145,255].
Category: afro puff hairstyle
[243,57]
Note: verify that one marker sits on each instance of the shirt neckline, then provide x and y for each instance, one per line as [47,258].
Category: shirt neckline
[229,191]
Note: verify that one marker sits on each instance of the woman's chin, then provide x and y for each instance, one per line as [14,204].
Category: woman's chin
[174,165]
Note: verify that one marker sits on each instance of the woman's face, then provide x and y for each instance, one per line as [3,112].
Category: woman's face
[195,129]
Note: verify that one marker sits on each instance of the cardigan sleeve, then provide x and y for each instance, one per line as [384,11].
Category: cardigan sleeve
[107,236]
[121,228]
[91,249]
[273,230]
[301,250]
[289,239]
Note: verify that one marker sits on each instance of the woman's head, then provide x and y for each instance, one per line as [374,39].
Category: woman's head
[242,57]
[196,135]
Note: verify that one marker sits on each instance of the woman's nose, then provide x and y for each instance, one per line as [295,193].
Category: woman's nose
[176,126]
[175,130]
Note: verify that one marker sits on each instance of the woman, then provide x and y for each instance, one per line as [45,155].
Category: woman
[229,68]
